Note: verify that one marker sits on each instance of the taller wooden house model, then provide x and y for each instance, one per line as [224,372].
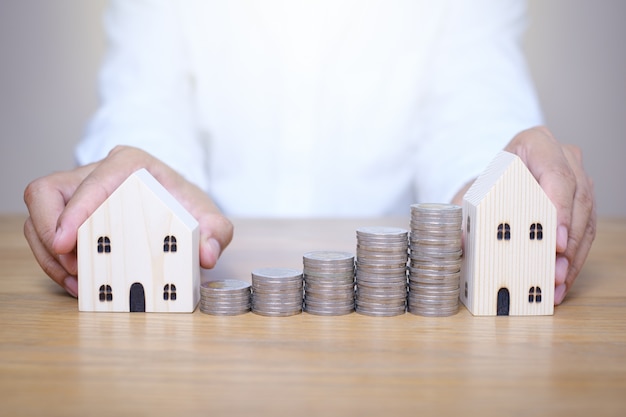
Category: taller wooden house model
[509,226]
[139,252]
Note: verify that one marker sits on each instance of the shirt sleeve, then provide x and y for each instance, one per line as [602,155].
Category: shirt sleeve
[479,94]
[146,90]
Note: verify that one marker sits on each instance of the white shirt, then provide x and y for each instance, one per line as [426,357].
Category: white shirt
[315,108]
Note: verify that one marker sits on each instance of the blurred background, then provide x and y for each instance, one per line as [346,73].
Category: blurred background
[50,52]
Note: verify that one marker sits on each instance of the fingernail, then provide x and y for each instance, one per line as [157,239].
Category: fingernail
[561,239]
[215,246]
[560,270]
[71,286]
[57,236]
[559,293]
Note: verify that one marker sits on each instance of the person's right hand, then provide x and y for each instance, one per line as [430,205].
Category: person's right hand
[59,203]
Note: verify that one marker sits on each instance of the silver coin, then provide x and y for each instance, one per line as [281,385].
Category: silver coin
[225,285]
[380,313]
[225,313]
[330,278]
[436,207]
[384,292]
[223,310]
[276,272]
[433,312]
[381,268]
[323,291]
[328,312]
[327,256]
[277,313]
[381,230]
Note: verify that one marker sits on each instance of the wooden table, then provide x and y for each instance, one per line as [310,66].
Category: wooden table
[55,361]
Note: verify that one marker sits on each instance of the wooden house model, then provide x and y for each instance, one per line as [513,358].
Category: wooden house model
[139,252]
[509,227]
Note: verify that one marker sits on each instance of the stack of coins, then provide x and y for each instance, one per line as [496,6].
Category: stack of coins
[381,284]
[435,259]
[328,283]
[277,291]
[225,298]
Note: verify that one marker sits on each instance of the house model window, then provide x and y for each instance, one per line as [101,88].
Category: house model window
[105,293]
[534,295]
[536,231]
[104,244]
[504,231]
[169,244]
[169,292]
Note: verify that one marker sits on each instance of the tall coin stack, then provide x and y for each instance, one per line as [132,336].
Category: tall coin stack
[381,284]
[225,298]
[276,291]
[435,259]
[328,283]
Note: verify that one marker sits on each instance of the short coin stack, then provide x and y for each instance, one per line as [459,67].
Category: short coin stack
[435,259]
[381,284]
[276,291]
[225,298]
[328,283]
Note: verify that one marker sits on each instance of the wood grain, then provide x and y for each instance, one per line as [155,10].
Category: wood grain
[56,361]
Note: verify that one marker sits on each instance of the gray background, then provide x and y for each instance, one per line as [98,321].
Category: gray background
[50,52]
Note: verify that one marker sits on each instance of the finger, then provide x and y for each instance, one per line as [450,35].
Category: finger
[582,251]
[46,198]
[45,202]
[216,232]
[583,226]
[48,262]
[545,159]
[574,260]
[99,183]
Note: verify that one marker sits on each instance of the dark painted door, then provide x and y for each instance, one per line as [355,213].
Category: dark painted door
[137,298]
[503,302]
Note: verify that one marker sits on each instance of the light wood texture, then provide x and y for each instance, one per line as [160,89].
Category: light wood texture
[57,361]
[122,246]
[503,268]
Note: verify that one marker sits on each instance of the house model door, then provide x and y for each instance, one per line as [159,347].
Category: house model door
[137,298]
[504,300]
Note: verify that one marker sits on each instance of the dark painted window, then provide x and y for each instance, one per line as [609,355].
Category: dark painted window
[534,295]
[504,231]
[536,231]
[169,244]
[105,293]
[104,244]
[169,292]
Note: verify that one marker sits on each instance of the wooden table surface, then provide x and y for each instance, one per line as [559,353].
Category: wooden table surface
[55,361]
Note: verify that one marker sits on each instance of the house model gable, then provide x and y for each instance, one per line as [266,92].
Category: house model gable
[509,227]
[139,251]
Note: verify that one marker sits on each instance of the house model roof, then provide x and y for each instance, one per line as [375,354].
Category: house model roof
[492,174]
[142,176]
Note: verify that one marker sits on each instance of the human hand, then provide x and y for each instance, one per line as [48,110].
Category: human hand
[59,203]
[559,170]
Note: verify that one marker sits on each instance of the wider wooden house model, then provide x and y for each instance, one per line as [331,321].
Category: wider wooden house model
[510,242]
[139,252]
